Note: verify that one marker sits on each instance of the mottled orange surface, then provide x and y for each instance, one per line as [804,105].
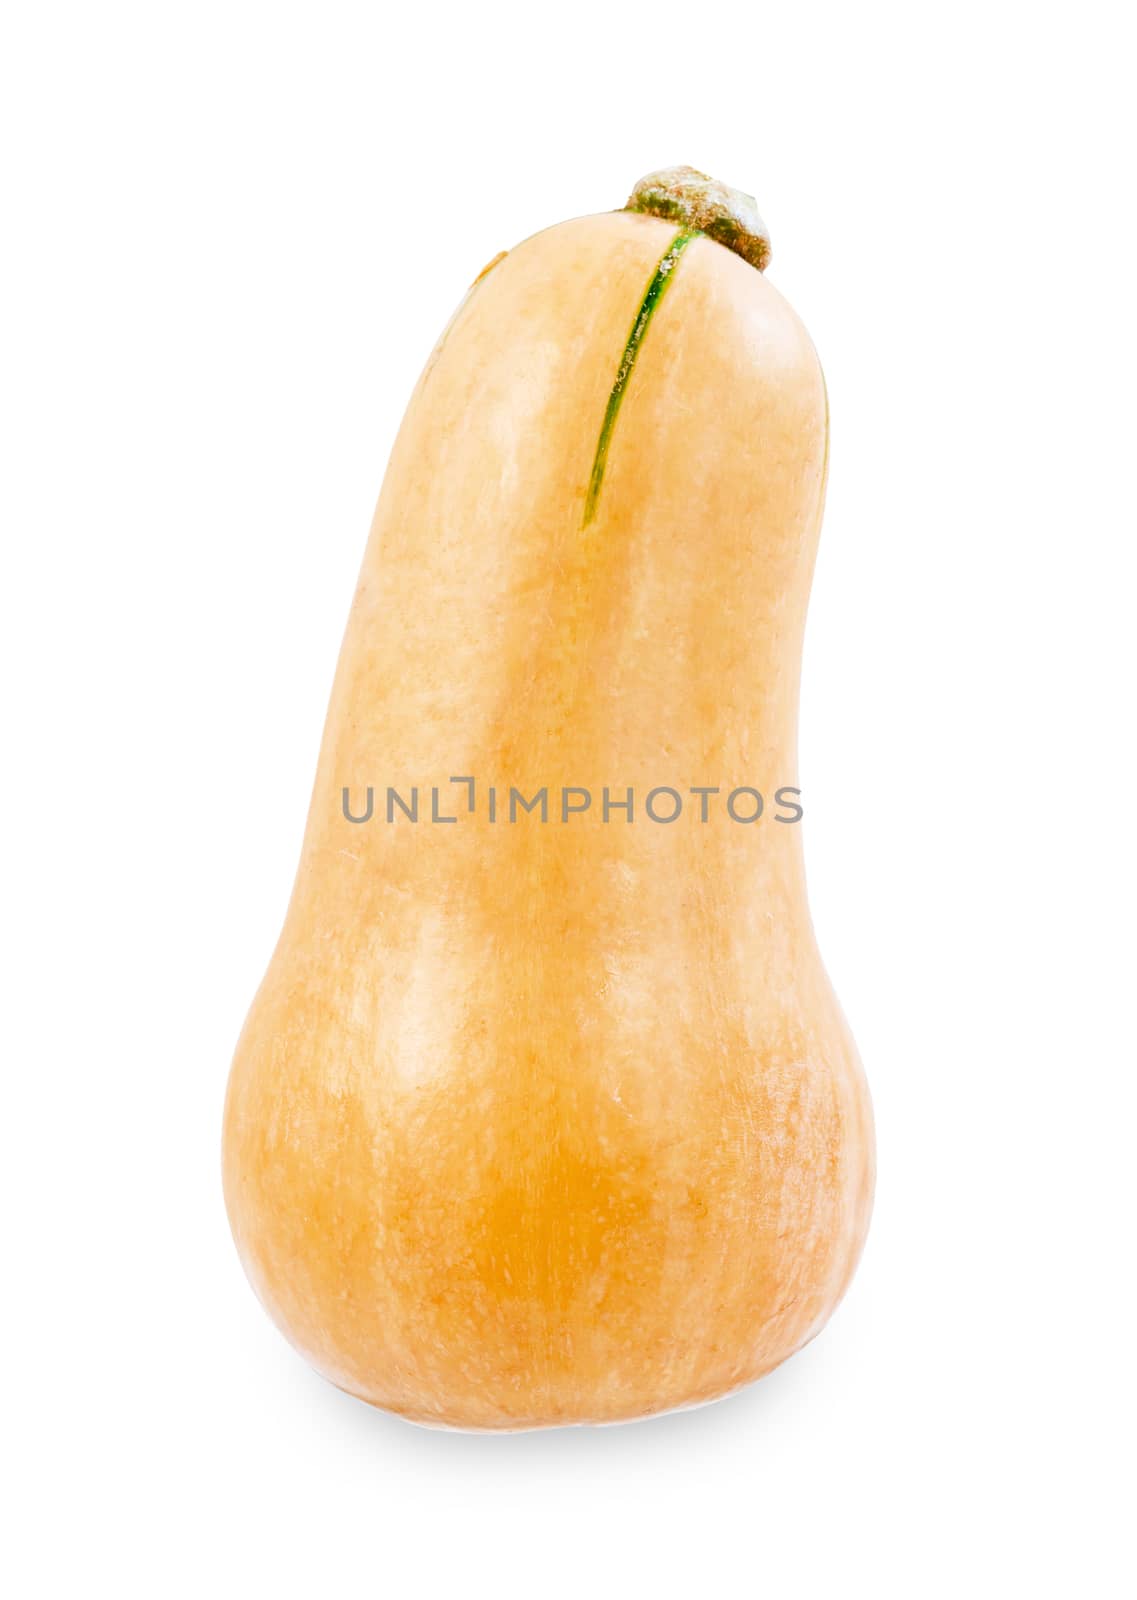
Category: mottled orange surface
[542,1124]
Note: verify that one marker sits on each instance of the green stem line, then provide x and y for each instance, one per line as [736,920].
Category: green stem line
[656,289]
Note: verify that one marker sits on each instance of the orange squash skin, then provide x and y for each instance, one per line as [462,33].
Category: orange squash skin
[545,1123]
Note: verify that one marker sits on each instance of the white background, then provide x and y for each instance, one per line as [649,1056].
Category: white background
[233,234]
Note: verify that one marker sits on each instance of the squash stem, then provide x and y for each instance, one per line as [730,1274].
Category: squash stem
[699,203]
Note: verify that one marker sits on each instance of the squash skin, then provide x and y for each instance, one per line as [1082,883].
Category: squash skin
[537,1124]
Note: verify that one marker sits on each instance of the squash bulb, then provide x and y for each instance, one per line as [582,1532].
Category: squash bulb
[548,1115]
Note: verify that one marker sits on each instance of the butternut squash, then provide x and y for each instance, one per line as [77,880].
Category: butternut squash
[545,1111]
